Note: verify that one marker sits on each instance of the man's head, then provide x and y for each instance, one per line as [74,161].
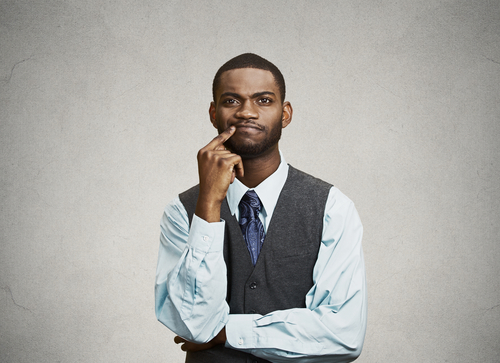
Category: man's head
[249,94]
[250,60]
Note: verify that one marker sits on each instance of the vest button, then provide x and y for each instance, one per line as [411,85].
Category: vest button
[252,311]
[253,285]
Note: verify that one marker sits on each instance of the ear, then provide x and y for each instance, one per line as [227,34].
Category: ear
[287,114]
[211,113]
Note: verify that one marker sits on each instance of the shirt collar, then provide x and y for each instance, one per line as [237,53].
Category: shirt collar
[268,191]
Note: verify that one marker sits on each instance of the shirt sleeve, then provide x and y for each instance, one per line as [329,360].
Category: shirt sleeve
[332,326]
[190,288]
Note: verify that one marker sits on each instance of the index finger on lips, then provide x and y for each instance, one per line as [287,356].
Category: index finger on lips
[221,138]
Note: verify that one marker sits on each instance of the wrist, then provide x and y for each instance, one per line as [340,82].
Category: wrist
[221,337]
[208,210]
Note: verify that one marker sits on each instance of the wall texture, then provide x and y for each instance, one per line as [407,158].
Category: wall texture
[103,106]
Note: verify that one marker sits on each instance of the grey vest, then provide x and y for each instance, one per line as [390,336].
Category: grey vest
[283,273]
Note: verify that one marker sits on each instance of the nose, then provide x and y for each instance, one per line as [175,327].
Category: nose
[247,111]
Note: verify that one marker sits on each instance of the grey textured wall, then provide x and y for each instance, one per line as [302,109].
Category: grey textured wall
[103,106]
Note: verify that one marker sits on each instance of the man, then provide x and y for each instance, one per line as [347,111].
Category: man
[260,262]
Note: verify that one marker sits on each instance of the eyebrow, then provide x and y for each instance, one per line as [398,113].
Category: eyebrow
[255,95]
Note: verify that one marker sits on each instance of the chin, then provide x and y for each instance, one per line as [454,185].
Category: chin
[245,151]
[248,151]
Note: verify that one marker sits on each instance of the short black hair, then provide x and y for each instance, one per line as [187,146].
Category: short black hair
[250,60]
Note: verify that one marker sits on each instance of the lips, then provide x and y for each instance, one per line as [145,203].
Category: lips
[247,126]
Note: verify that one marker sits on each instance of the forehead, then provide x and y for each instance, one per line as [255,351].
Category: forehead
[247,81]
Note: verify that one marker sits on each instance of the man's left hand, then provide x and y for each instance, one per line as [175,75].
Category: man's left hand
[188,346]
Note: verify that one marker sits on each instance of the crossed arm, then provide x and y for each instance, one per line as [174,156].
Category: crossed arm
[191,290]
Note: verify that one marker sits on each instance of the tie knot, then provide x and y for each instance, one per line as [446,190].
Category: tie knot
[251,200]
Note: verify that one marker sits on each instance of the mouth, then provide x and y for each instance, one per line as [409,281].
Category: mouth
[247,126]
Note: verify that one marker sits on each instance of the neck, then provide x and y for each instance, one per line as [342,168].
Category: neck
[258,169]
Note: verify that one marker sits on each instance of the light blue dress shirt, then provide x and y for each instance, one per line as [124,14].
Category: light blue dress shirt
[190,290]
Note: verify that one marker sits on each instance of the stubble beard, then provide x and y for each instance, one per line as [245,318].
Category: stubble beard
[250,150]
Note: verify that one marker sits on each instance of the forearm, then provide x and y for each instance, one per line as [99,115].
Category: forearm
[191,282]
[327,334]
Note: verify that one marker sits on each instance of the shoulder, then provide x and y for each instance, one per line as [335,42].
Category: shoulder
[306,184]
[315,188]
[339,199]
[341,211]
[308,179]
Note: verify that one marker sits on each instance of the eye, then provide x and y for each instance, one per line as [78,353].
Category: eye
[229,101]
[265,100]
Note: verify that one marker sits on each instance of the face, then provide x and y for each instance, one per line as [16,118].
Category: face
[249,99]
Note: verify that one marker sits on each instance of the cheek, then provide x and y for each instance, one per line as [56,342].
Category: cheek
[220,121]
[221,117]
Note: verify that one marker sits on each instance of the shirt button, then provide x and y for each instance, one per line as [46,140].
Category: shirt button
[253,285]
[205,238]
[240,342]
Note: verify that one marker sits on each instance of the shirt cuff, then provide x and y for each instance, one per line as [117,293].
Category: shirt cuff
[239,331]
[206,237]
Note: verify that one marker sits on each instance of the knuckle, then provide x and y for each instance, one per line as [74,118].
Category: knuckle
[221,162]
[204,152]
